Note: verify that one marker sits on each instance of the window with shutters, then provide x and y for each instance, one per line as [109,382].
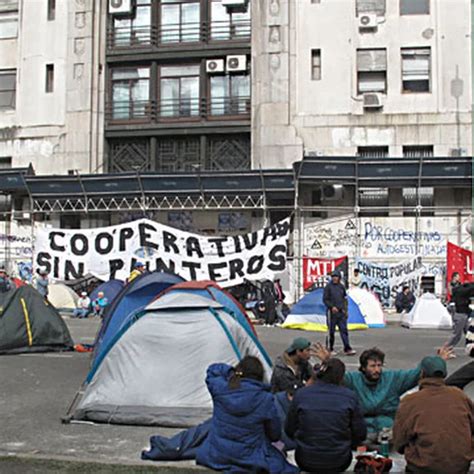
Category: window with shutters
[8,19]
[416,69]
[370,6]
[7,88]
[372,151]
[316,64]
[414,7]
[418,151]
[371,70]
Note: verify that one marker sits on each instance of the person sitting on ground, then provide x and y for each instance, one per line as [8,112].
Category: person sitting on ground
[356,279]
[138,269]
[405,300]
[292,369]
[379,390]
[100,304]
[460,298]
[326,421]
[434,426]
[244,423]
[279,297]
[5,283]
[83,306]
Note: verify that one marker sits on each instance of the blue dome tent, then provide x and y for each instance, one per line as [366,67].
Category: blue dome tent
[134,296]
[309,314]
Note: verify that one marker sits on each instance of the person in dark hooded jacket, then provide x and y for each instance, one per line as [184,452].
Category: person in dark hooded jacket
[245,422]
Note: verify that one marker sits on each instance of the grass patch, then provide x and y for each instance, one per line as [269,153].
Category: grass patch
[23,465]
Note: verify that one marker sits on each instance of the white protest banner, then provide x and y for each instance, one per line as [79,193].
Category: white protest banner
[386,280]
[110,252]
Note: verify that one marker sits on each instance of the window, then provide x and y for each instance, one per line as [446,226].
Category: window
[130,93]
[371,70]
[178,154]
[49,78]
[8,19]
[413,197]
[316,64]
[414,7]
[5,162]
[179,21]
[418,151]
[374,198]
[230,95]
[372,151]
[51,10]
[179,91]
[7,88]
[370,6]
[416,65]
[134,31]
[228,26]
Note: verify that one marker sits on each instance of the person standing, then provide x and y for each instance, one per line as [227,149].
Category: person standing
[461,298]
[5,284]
[326,421]
[138,269]
[433,427]
[356,279]
[42,283]
[279,297]
[454,283]
[335,299]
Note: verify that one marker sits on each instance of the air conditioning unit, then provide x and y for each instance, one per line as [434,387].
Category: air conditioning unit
[368,21]
[235,6]
[458,152]
[214,66]
[372,100]
[120,7]
[332,192]
[236,63]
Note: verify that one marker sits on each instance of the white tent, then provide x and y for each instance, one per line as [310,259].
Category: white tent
[369,306]
[428,313]
[62,297]
[154,372]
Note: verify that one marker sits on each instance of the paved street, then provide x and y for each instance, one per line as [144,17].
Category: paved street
[36,391]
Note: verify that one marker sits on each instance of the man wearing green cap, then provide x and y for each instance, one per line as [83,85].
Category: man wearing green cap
[433,427]
[292,369]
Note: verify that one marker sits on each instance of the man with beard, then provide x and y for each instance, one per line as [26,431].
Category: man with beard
[378,390]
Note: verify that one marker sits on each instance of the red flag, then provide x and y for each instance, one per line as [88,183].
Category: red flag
[459,260]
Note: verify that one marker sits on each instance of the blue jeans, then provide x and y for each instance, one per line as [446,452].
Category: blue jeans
[99,311]
[80,313]
[339,320]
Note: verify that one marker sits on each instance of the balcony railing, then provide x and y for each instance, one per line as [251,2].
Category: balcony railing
[133,37]
[184,109]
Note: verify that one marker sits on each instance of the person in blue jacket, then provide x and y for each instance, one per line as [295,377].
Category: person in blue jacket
[245,422]
[326,421]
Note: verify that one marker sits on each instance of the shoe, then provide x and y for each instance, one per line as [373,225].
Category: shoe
[452,356]
[350,352]
[333,353]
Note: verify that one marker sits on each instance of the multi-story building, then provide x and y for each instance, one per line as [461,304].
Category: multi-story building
[177,86]
[49,83]
[368,78]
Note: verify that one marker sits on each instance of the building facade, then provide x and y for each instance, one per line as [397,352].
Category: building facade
[50,74]
[368,78]
[177,94]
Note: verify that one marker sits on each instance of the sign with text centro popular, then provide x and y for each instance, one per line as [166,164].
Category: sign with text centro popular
[110,252]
